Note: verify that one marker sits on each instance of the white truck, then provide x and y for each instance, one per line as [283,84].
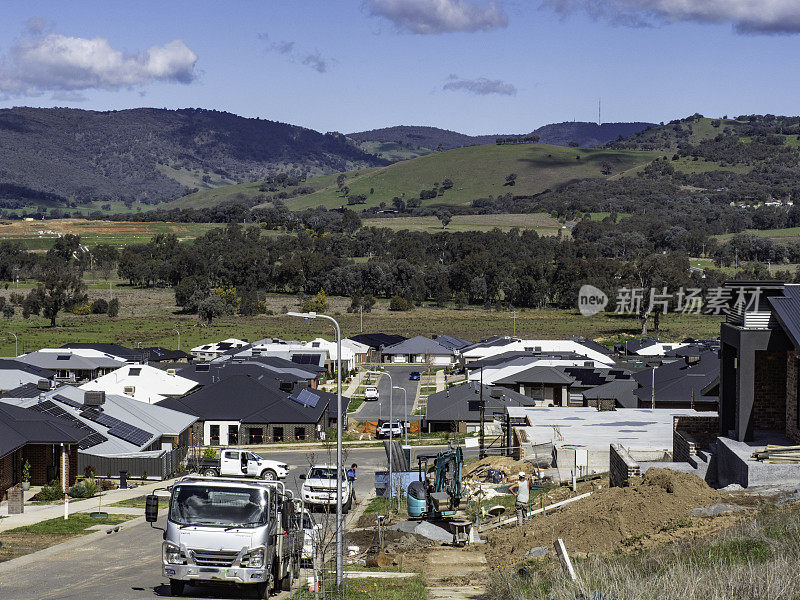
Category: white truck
[393,429]
[234,462]
[371,393]
[319,487]
[238,531]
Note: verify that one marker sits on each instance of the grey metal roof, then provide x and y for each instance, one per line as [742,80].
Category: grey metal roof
[19,426]
[460,402]
[451,342]
[377,340]
[108,348]
[156,420]
[538,374]
[787,311]
[619,390]
[66,360]
[418,345]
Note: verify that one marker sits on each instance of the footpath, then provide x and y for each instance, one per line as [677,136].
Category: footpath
[35,513]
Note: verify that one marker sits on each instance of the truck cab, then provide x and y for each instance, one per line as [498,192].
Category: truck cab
[234,462]
[319,487]
[243,532]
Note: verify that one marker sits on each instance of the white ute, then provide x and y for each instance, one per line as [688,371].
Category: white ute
[319,487]
[371,393]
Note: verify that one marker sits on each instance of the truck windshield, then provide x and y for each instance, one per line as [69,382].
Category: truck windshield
[322,473]
[219,506]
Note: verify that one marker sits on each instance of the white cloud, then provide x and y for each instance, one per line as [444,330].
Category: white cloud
[58,63]
[439,16]
[747,16]
[480,86]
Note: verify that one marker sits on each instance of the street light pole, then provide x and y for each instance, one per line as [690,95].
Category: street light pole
[405,409]
[179,337]
[339,520]
[391,385]
[16,344]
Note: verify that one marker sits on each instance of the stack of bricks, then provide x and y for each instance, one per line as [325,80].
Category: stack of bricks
[621,466]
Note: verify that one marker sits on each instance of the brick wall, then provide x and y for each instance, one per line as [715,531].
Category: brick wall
[792,396]
[6,473]
[621,466]
[605,403]
[769,389]
[701,430]
[683,446]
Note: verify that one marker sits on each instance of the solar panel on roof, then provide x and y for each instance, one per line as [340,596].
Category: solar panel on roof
[130,434]
[133,372]
[306,398]
[92,440]
[63,357]
[202,368]
[67,401]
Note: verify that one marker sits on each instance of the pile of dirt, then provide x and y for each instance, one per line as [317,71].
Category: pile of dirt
[507,465]
[393,541]
[610,519]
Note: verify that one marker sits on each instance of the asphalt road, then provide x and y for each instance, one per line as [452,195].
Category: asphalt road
[379,409]
[127,565]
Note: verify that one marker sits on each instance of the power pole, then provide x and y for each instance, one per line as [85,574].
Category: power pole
[482,407]
[653,389]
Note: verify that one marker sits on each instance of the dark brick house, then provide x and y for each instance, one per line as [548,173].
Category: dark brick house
[242,410]
[49,444]
[759,355]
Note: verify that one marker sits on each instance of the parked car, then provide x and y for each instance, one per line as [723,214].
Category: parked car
[394,428]
[310,536]
[239,463]
[371,393]
[414,376]
[319,487]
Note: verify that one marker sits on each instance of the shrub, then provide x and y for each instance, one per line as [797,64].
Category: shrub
[144,474]
[113,308]
[88,471]
[26,471]
[50,492]
[84,489]
[82,309]
[209,453]
[398,303]
[99,307]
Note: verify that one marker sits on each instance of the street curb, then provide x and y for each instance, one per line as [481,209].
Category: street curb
[83,540]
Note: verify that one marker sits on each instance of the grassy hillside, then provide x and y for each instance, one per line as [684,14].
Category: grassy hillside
[542,223]
[476,172]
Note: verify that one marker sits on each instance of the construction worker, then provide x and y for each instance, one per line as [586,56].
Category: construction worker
[522,490]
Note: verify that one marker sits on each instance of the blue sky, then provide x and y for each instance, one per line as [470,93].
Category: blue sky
[468,65]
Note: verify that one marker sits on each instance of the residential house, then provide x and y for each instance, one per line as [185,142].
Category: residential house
[546,385]
[47,443]
[376,342]
[142,382]
[14,373]
[458,408]
[157,354]
[73,365]
[216,349]
[245,410]
[285,373]
[690,382]
[502,366]
[498,346]
[419,350]
[454,343]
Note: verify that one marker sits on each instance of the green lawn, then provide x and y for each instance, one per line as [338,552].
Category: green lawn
[76,524]
[368,588]
[140,503]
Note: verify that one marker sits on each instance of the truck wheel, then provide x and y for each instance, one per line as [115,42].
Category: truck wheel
[269,475]
[176,587]
[263,589]
[210,473]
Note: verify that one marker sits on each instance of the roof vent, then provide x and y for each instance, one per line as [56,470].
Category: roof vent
[171,372]
[129,390]
[94,398]
[43,384]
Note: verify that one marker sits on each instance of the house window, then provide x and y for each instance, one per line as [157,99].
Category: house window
[233,435]
[256,436]
[213,435]
[299,433]
[277,434]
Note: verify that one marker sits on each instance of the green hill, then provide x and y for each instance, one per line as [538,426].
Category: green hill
[476,172]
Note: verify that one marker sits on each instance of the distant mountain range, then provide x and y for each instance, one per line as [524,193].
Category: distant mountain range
[423,140]
[55,156]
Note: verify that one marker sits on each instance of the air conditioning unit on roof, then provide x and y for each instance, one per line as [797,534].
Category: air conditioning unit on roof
[129,390]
